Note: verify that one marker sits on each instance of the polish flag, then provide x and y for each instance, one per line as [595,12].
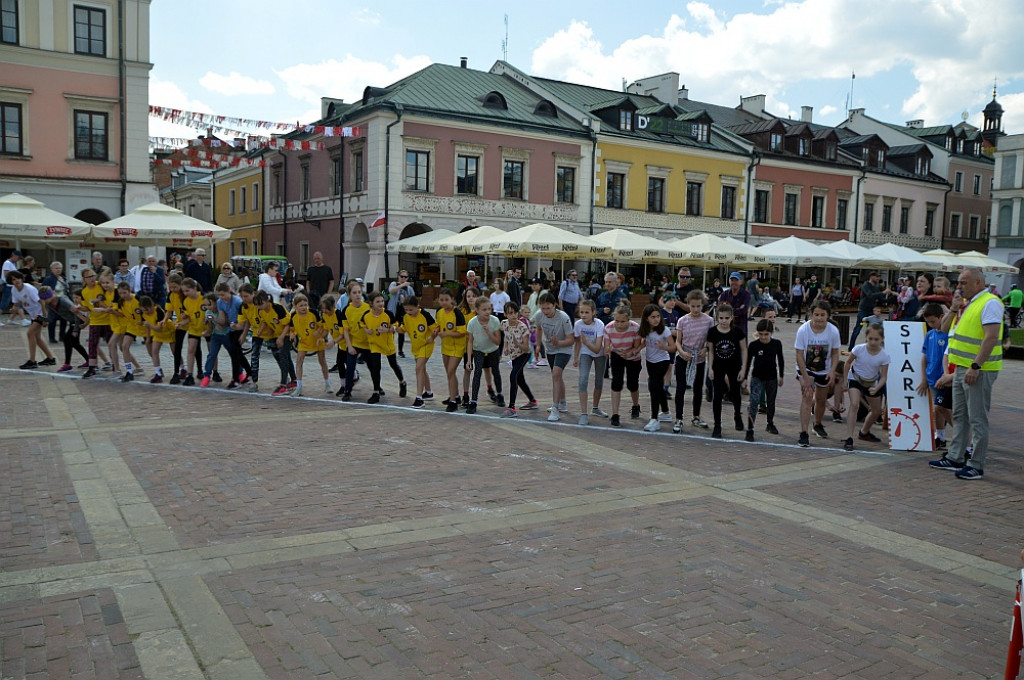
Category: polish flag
[379,222]
[1016,638]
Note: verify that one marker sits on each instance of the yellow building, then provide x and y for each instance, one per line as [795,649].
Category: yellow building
[238,198]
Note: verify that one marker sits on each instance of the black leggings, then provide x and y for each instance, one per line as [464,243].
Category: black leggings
[681,387]
[72,344]
[656,371]
[517,380]
[180,338]
[625,372]
[238,361]
[719,393]
[373,364]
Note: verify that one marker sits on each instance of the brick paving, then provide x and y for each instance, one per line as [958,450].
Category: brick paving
[157,532]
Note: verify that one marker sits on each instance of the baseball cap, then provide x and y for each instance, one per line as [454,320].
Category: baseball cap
[735,275]
[46,295]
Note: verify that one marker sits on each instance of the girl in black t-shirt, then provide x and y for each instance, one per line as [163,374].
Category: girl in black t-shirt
[727,351]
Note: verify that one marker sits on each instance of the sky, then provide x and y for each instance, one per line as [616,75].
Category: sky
[935,60]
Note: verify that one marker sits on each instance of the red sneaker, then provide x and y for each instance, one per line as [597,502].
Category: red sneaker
[205,382]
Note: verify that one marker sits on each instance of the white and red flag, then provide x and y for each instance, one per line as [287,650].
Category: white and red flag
[380,221]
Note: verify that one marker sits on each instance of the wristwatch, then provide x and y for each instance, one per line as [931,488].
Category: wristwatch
[975,366]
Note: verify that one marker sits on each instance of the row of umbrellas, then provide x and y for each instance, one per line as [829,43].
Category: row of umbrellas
[25,222]
[545,240]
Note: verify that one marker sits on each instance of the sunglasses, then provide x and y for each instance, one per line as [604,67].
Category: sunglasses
[684,276]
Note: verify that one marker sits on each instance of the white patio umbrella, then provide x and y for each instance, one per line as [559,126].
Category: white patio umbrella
[626,245]
[464,242]
[539,239]
[859,255]
[24,220]
[156,224]
[417,243]
[796,251]
[906,257]
[951,262]
[714,250]
[973,258]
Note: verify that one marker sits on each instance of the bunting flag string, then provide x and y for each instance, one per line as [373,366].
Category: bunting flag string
[206,163]
[252,142]
[233,126]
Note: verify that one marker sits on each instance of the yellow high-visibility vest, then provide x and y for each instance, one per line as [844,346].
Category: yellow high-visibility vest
[965,338]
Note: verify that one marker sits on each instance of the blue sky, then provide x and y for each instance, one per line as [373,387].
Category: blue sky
[930,59]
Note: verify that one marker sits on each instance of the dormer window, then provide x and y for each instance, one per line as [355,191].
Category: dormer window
[977,147]
[923,166]
[625,119]
[830,151]
[495,100]
[545,108]
[701,132]
[775,142]
[949,143]
[960,146]
[881,158]
[803,146]
[865,154]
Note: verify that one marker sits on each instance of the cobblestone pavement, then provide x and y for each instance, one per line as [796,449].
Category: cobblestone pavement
[161,532]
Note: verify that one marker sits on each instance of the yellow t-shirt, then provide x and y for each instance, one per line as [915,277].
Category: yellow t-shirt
[353,317]
[249,313]
[175,302]
[132,318]
[448,322]
[333,324]
[380,332]
[119,317]
[162,319]
[308,331]
[273,318]
[93,296]
[192,309]
[420,330]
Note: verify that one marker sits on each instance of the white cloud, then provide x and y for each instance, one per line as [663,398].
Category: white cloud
[951,48]
[234,84]
[827,110]
[347,78]
[367,16]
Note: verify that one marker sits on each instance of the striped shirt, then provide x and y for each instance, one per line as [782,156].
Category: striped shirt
[622,341]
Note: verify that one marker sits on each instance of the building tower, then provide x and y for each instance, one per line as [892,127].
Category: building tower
[993,128]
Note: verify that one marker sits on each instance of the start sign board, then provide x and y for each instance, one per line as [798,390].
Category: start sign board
[910,415]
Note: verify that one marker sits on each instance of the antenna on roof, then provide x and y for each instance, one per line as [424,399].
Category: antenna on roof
[504,43]
[853,77]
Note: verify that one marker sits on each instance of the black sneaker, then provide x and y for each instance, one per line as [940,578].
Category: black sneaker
[837,417]
[452,407]
[819,430]
[417,402]
[615,421]
[28,365]
[490,394]
[189,381]
[374,398]
[804,440]
[739,424]
[771,429]
[127,377]
[634,412]
[867,437]
[471,409]
[333,369]
[233,385]
[216,377]
[346,396]
[500,400]
[465,400]
[717,432]
[940,444]
[403,388]
[848,444]
[401,355]
[750,436]
[48,362]
[89,372]
[968,472]
[175,379]
[945,464]
[428,396]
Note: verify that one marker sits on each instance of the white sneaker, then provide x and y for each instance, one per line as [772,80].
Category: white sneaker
[652,425]
[327,386]
[26,322]
[596,411]
[542,362]
[553,415]
[678,426]
[584,420]
[563,407]
[664,418]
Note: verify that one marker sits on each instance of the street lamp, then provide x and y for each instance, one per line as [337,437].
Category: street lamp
[304,212]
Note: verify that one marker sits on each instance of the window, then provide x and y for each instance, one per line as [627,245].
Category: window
[842,206]
[929,221]
[958,182]
[241,247]
[887,218]
[466,175]
[565,185]
[417,164]
[231,202]
[512,183]
[276,196]
[244,200]
[91,135]
[954,225]
[869,216]
[977,185]
[904,220]
[357,171]
[817,211]
[655,194]
[761,201]
[830,151]
[255,196]
[728,203]
[9,21]
[625,120]
[303,256]
[880,157]
[959,146]
[922,166]
[790,209]
[974,224]
[304,179]
[10,129]
[701,132]
[231,248]
[693,192]
[803,145]
[949,143]
[336,176]
[616,184]
[90,31]
[775,143]
[255,247]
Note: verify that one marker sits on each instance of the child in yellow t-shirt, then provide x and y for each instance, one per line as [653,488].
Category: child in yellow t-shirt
[126,322]
[158,325]
[451,328]
[421,330]
[379,325]
[304,325]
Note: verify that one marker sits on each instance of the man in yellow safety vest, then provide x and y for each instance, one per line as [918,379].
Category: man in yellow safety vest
[975,349]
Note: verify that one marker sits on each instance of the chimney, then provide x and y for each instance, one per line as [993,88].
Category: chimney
[684,94]
[916,124]
[806,113]
[753,104]
[463,62]
[855,112]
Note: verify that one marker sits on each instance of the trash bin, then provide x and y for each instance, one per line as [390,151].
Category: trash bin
[842,322]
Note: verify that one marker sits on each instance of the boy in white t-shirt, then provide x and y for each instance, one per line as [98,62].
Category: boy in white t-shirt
[588,351]
[817,358]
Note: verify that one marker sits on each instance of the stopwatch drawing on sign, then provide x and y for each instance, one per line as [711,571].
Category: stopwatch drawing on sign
[899,420]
